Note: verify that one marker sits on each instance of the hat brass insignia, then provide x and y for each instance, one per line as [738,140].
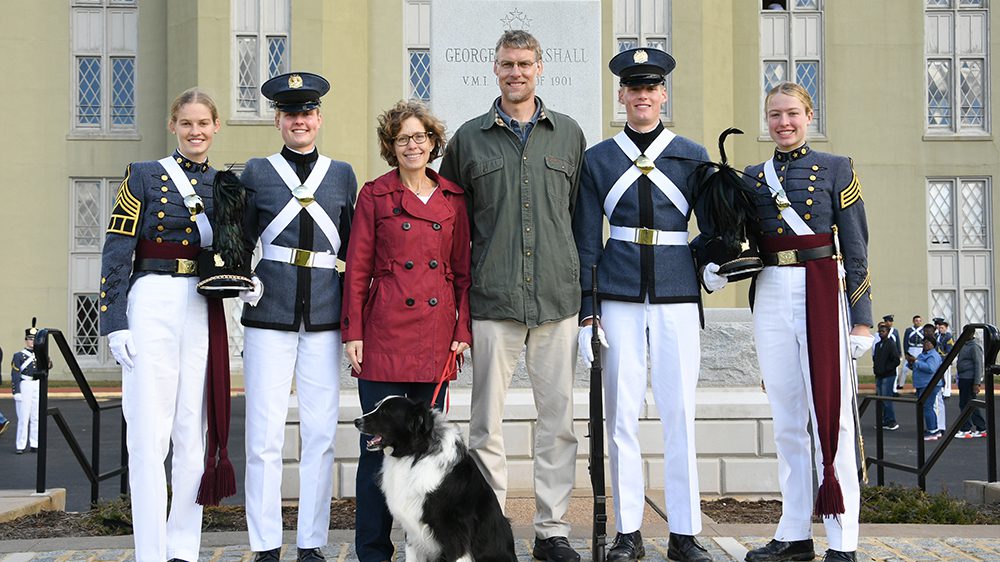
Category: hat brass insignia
[294,81]
[640,57]
[217,259]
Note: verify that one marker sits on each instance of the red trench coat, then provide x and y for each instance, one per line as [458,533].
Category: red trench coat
[406,288]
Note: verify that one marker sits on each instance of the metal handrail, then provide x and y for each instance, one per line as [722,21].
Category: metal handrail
[90,468]
[991,347]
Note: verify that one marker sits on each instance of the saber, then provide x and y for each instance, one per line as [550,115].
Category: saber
[851,364]
[596,433]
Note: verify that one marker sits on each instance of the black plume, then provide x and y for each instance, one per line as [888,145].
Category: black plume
[727,194]
[230,202]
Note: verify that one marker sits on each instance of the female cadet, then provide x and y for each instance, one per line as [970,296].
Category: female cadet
[406,292]
[811,230]
[157,327]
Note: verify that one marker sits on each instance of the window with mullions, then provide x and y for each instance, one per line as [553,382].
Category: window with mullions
[92,200]
[791,50]
[956,50]
[642,23]
[261,51]
[417,46]
[104,44]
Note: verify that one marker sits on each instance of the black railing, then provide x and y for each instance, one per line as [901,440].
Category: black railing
[991,347]
[91,468]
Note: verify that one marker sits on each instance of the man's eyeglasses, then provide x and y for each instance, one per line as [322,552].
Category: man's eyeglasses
[508,65]
[419,138]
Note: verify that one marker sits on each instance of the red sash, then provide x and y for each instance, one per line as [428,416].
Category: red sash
[823,335]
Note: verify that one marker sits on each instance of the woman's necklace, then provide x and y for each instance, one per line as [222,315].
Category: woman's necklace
[419,189]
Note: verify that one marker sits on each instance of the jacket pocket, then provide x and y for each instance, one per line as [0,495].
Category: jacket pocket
[480,169]
[560,165]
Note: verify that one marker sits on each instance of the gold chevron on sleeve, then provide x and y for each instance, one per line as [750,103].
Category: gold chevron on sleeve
[852,193]
[865,285]
[125,216]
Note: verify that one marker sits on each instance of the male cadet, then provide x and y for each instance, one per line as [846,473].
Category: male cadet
[893,335]
[300,210]
[24,383]
[650,293]
[945,341]
[912,339]
[519,164]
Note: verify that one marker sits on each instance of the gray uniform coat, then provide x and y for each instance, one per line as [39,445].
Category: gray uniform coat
[295,295]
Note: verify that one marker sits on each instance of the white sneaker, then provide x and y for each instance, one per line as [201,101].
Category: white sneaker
[964,435]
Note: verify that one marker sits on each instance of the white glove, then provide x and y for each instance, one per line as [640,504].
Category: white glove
[860,344]
[712,280]
[123,347]
[252,296]
[17,397]
[584,339]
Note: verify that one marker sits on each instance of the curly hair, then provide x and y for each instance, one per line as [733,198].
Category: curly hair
[391,122]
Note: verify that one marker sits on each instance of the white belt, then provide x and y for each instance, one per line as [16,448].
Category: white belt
[649,236]
[301,258]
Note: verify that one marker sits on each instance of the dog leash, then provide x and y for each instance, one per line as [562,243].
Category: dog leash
[450,368]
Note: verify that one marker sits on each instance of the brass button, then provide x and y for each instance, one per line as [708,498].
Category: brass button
[188,230]
[179,160]
[811,188]
[163,199]
[815,168]
[160,215]
[103,294]
[812,178]
[760,175]
[184,242]
[104,279]
[164,177]
[104,308]
[527,205]
[781,178]
[159,240]
[809,201]
[528,253]
[194,181]
[782,168]
[807,216]
[193,218]
[780,230]
[159,227]
[525,180]
[527,229]
[164,188]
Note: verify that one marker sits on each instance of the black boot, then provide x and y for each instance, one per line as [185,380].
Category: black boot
[839,556]
[627,547]
[272,555]
[686,548]
[780,551]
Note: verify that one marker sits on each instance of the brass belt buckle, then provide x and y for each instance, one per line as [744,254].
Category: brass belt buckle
[302,258]
[645,236]
[187,267]
[788,257]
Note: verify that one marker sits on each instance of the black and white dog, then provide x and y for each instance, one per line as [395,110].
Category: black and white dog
[433,488]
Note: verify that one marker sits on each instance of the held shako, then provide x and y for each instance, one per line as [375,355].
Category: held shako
[224,267]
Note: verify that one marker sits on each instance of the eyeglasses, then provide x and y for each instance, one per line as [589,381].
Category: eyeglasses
[508,65]
[419,138]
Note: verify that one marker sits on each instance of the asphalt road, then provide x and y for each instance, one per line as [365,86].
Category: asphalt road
[965,459]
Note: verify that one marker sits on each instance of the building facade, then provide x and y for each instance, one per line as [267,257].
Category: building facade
[905,89]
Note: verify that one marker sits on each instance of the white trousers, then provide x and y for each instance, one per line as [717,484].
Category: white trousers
[27,415]
[672,335]
[780,332]
[163,400]
[270,360]
[550,359]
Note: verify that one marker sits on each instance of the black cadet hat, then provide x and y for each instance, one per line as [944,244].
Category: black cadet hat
[939,321]
[295,91]
[643,66]
[29,333]
[888,318]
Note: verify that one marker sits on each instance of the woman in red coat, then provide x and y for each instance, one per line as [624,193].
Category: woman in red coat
[406,293]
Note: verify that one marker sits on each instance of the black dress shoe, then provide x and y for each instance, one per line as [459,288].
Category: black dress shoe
[176,560]
[839,556]
[780,551]
[627,547]
[556,549]
[686,549]
[310,555]
[20,451]
[34,449]
[272,555]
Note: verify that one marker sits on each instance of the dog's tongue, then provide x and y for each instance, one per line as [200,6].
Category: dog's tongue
[374,443]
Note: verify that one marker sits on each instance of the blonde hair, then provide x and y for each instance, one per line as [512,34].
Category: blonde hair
[519,39]
[193,95]
[790,89]
[391,122]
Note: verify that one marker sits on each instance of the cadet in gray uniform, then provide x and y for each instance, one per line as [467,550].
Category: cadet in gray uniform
[157,328]
[24,383]
[810,216]
[300,211]
[650,297]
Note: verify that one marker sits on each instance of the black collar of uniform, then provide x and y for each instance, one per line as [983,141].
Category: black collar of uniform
[643,140]
[189,165]
[298,157]
[799,152]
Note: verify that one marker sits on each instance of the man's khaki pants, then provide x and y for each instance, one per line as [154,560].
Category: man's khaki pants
[550,358]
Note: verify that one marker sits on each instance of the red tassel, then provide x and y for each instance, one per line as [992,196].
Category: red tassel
[830,500]
[225,477]
[206,492]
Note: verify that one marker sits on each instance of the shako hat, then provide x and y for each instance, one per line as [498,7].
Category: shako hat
[642,66]
[295,91]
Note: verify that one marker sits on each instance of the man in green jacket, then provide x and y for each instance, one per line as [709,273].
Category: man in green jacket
[519,164]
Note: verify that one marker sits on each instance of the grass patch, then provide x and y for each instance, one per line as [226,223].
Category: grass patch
[896,504]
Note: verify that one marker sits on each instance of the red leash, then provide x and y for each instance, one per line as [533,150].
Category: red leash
[450,368]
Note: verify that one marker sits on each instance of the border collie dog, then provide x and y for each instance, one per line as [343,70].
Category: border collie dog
[433,488]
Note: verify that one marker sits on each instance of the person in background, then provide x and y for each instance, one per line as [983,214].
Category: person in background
[406,292]
[885,359]
[24,383]
[969,366]
[924,367]
[912,344]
